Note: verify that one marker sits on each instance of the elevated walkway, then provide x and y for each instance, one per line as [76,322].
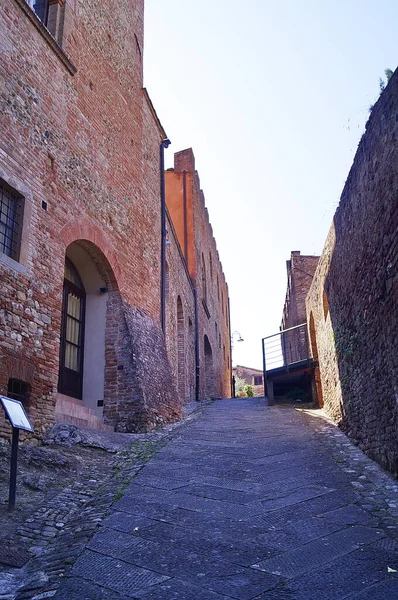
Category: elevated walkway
[287,364]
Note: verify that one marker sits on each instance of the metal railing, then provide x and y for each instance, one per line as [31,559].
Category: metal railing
[285,348]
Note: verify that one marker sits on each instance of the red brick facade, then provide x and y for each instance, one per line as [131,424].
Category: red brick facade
[300,271]
[186,205]
[352,305]
[80,147]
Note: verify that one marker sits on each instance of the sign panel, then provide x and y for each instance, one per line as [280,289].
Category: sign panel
[16,413]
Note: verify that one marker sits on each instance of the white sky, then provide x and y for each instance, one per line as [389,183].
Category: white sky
[273,98]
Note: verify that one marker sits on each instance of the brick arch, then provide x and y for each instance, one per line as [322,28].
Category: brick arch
[85,231]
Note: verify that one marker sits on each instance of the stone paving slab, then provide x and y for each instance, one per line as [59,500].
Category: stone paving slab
[319,551]
[117,575]
[347,576]
[251,503]
[177,589]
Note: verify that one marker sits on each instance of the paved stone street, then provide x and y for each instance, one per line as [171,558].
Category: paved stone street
[247,502]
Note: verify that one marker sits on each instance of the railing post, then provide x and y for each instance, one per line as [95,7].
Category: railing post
[264,366]
[285,361]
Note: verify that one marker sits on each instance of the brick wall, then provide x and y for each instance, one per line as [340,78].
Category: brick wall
[186,204]
[180,336]
[352,305]
[83,142]
[300,271]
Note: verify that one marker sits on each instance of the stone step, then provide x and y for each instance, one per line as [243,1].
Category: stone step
[71,411]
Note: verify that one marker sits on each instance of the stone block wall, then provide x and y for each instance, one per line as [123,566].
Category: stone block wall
[352,305]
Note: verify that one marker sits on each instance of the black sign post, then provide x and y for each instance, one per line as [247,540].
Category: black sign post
[19,420]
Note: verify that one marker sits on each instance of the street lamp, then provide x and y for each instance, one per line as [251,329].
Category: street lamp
[240,338]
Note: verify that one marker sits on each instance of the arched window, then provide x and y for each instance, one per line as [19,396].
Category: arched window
[211,266]
[222,302]
[209,369]
[72,333]
[204,282]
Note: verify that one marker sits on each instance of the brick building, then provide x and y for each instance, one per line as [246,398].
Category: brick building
[352,305]
[300,272]
[252,377]
[81,239]
[192,228]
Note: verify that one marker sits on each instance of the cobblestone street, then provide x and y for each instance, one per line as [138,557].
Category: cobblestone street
[245,501]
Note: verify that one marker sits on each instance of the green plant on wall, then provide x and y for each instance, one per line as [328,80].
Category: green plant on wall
[383,84]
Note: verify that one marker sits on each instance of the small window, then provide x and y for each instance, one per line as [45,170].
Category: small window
[258,380]
[11,213]
[18,390]
[40,7]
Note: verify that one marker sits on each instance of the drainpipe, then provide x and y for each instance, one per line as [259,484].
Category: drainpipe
[165,144]
[197,367]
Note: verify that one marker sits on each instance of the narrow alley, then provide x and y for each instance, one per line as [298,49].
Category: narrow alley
[247,502]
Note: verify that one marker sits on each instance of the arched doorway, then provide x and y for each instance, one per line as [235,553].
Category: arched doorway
[209,369]
[180,350]
[90,306]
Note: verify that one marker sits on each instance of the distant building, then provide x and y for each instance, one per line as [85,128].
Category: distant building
[300,272]
[252,377]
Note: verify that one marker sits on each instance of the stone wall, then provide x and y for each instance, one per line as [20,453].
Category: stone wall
[352,305]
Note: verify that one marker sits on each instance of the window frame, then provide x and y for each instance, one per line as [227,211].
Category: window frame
[70,381]
[17,221]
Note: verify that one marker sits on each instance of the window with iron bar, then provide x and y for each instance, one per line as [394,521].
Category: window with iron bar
[18,390]
[11,212]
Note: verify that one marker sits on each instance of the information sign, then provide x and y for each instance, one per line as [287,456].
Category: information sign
[19,420]
[16,413]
